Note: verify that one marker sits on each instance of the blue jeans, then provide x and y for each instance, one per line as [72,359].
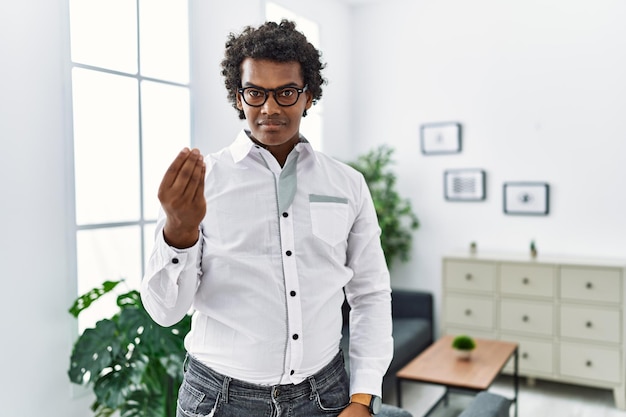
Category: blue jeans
[206,393]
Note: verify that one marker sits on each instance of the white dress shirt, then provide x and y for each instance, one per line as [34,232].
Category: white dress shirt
[265,279]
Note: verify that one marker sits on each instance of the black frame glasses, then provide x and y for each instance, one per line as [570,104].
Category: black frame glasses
[276,92]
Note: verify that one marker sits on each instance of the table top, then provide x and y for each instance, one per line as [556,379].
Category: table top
[439,364]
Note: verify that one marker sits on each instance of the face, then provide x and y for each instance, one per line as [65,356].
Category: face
[271,124]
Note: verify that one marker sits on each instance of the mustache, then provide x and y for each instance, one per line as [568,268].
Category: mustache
[271,121]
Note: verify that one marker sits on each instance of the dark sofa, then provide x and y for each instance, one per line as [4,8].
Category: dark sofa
[413,327]
[487,404]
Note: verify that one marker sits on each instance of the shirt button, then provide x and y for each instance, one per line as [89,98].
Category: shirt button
[288,253]
[174,260]
[292,372]
[295,336]
[285,214]
[292,293]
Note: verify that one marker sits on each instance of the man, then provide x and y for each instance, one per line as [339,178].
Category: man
[261,239]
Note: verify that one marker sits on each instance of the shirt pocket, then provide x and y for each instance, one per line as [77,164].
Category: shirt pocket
[329,218]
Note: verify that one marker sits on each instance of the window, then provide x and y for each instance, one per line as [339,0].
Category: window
[131,116]
[312,125]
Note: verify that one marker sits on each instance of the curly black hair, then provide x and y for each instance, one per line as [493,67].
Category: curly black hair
[277,42]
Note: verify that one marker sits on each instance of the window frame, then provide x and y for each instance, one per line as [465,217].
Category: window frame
[141,221]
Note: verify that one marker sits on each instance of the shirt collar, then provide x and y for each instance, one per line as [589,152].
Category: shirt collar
[242,146]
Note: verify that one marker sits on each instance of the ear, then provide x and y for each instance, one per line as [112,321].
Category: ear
[309,99]
[239,103]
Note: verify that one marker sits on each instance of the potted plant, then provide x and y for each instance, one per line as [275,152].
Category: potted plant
[133,365]
[395,215]
[533,249]
[463,345]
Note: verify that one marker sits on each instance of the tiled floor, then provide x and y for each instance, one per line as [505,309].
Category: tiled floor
[545,398]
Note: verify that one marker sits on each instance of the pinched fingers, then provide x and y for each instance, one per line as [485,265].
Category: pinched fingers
[183,177]
[190,176]
[172,171]
[199,186]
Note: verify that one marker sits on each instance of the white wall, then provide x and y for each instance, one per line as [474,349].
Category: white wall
[36,328]
[215,123]
[540,91]
[334,18]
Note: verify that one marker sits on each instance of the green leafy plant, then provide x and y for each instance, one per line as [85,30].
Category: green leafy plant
[395,214]
[133,365]
[463,342]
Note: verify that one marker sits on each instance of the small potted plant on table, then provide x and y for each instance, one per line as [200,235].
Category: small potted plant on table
[463,346]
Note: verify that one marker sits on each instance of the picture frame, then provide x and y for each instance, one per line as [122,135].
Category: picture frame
[526,198]
[441,138]
[465,184]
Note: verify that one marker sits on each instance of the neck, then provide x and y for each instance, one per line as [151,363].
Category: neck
[280,152]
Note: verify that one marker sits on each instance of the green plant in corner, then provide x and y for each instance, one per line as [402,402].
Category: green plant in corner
[395,214]
[133,365]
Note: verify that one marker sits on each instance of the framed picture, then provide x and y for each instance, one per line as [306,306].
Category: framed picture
[464,184]
[440,138]
[526,198]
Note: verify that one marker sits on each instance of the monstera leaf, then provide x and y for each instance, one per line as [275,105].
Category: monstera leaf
[133,365]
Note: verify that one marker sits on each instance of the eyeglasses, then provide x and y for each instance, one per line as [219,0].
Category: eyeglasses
[286,96]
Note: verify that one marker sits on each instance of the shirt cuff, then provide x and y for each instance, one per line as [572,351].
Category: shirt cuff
[171,262]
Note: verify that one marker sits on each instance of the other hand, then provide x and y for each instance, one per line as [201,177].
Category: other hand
[355,410]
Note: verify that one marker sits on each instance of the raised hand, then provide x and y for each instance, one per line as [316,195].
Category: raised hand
[182,197]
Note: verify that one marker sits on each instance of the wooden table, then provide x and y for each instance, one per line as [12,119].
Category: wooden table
[439,365]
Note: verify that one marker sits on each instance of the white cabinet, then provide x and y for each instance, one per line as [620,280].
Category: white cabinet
[567,314]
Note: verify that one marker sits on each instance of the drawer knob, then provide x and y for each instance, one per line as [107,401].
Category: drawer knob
[525,281]
[589,325]
[588,364]
[525,318]
[589,285]
[468,277]
[468,312]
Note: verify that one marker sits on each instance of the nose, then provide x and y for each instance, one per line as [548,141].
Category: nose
[270,106]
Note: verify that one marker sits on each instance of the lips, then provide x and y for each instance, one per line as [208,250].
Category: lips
[271,122]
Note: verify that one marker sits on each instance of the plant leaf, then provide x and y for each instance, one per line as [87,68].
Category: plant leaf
[84,301]
[395,215]
[92,352]
[134,365]
[101,410]
[129,299]
[142,403]
[113,388]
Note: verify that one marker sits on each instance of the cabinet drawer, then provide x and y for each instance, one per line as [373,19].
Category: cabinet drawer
[590,362]
[477,334]
[532,280]
[470,311]
[591,284]
[535,356]
[470,276]
[590,323]
[527,317]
